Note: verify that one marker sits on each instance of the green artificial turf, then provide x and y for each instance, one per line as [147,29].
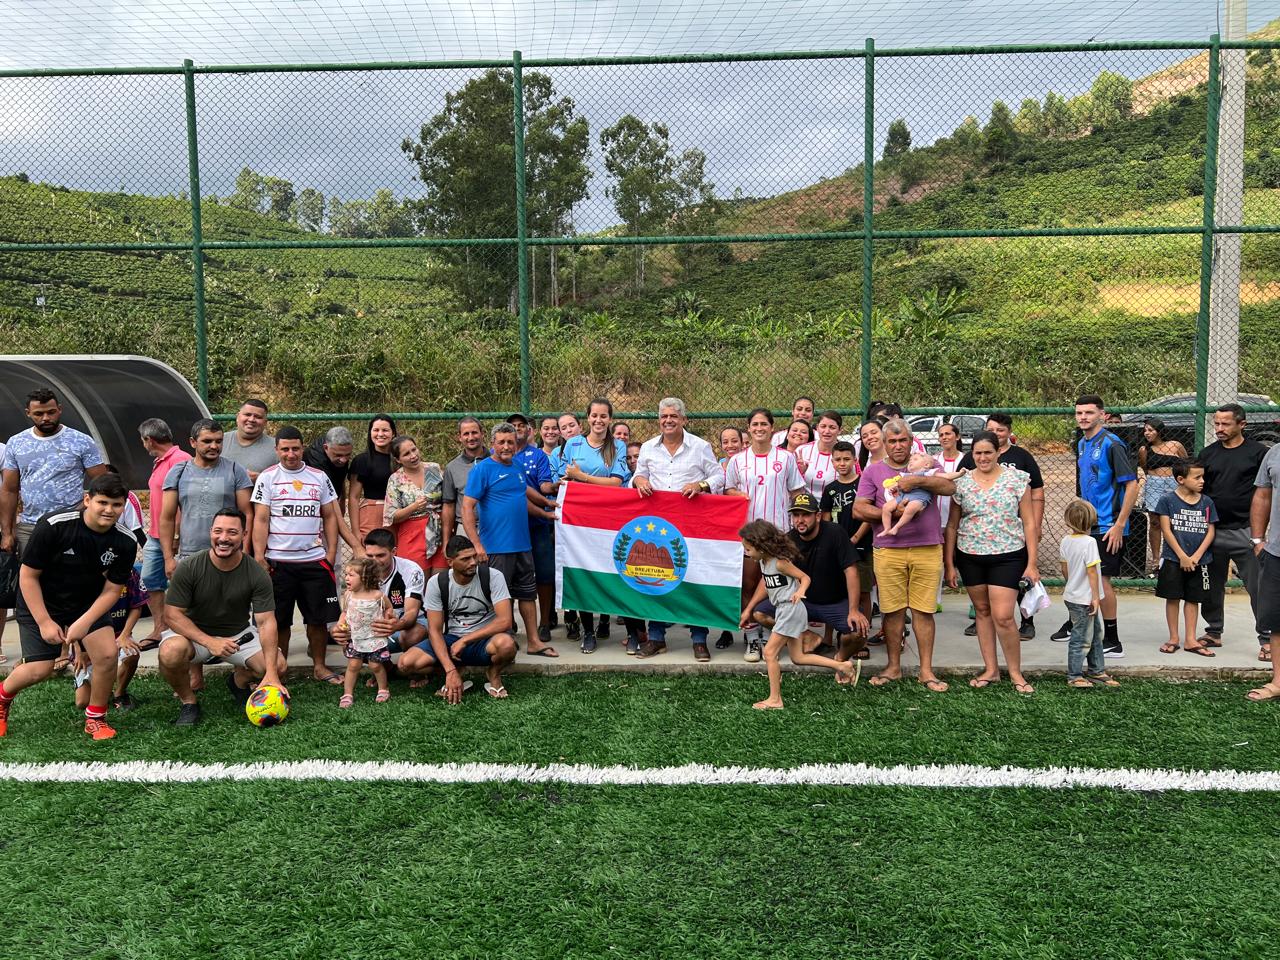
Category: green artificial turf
[319,869]
[380,870]
[662,720]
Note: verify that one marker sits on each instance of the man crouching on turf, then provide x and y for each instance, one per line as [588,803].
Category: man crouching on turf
[72,571]
[468,623]
[208,605]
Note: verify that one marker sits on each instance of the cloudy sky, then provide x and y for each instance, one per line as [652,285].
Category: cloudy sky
[766,127]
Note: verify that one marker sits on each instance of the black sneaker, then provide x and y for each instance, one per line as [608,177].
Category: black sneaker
[238,693]
[602,629]
[1113,649]
[972,629]
[188,716]
[573,631]
[1027,631]
[589,643]
[123,703]
[725,641]
[544,634]
[1062,633]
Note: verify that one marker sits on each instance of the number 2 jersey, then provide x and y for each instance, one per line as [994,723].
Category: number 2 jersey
[768,480]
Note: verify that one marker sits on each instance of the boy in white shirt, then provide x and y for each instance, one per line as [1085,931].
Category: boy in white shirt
[1081,566]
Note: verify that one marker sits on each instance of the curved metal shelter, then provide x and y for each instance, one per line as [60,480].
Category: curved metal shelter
[106,397]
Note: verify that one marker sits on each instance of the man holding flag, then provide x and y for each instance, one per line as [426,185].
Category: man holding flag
[676,461]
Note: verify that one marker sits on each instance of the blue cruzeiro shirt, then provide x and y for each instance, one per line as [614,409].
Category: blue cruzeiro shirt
[1103,468]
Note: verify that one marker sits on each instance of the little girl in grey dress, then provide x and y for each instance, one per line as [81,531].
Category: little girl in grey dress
[786,585]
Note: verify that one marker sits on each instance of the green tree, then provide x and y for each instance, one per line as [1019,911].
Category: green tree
[898,140]
[250,192]
[1055,118]
[465,157]
[998,136]
[1112,97]
[1081,108]
[654,189]
[386,216]
[968,136]
[1029,122]
[309,210]
[279,195]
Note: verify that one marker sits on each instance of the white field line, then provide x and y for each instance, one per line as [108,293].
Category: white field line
[950,776]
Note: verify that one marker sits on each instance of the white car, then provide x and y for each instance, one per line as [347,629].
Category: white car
[926,429]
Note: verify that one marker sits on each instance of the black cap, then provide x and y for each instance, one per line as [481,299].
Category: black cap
[519,417]
[803,503]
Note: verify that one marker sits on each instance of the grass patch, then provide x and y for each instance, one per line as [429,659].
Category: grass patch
[658,721]
[328,870]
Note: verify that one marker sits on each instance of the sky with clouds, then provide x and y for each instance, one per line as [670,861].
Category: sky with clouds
[766,127]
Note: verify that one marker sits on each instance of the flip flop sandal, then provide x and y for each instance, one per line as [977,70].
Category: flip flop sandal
[466,685]
[498,693]
[1025,689]
[1080,684]
[981,683]
[1208,640]
[879,681]
[548,652]
[1104,681]
[863,654]
[1200,651]
[1264,653]
[935,686]
[332,679]
[148,644]
[1268,691]
[1170,648]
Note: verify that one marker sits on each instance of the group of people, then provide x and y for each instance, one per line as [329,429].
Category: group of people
[245,529]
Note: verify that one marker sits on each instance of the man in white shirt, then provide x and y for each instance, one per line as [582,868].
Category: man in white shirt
[295,538]
[676,461]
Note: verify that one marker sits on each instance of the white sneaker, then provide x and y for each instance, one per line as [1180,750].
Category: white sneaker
[753,650]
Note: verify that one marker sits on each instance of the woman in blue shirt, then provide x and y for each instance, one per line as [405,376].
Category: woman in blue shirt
[597,457]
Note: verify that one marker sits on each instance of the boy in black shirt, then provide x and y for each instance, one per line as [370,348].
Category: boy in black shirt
[837,507]
[72,571]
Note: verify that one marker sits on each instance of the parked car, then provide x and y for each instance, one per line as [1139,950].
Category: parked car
[926,429]
[1261,426]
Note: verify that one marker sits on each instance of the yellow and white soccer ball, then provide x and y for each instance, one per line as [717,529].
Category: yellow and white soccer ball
[267,707]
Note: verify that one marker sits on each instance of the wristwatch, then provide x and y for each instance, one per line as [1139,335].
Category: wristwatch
[1256,541]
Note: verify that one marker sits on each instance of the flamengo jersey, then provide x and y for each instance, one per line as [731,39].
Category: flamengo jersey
[406,580]
[768,480]
[818,471]
[295,498]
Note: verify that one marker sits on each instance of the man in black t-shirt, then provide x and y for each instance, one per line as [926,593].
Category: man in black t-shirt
[831,562]
[1230,468]
[1011,455]
[73,568]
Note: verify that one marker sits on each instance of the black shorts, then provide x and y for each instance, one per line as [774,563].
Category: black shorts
[1268,593]
[311,586]
[1110,565]
[517,570]
[33,645]
[993,569]
[1174,583]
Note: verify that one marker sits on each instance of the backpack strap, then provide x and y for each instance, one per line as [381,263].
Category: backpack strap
[442,583]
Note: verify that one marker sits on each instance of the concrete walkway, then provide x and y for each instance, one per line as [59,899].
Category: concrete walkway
[1142,630]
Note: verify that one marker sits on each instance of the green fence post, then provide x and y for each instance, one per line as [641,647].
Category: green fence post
[522,238]
[1207,239]
[197,236]
[868,202]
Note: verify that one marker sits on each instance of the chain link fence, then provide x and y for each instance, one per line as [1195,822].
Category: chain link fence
[490,236]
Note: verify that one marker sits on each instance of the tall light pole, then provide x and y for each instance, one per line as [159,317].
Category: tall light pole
[1224,296]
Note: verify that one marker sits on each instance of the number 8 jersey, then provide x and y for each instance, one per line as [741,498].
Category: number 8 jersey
[768,480]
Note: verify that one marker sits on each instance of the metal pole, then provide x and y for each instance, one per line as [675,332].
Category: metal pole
[868,202]
[522,244]
[197,236]
[1206,240]
[1224,300]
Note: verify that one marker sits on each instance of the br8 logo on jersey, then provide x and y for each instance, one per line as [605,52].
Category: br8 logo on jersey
[300,510]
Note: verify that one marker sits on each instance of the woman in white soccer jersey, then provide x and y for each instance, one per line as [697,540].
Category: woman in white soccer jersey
[813,460]
[767,476]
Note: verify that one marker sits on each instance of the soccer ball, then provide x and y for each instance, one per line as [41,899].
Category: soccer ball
[267,706]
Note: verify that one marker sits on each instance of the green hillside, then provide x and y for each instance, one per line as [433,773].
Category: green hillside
[972,322]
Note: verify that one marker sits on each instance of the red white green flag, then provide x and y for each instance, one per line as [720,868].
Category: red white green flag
[662,557]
